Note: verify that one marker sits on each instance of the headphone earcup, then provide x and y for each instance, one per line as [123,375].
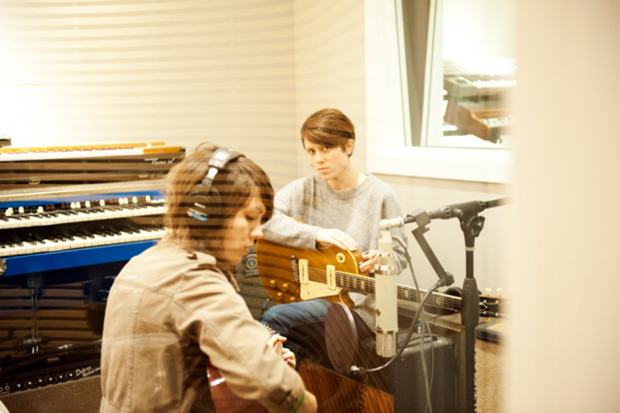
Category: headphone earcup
[201,201]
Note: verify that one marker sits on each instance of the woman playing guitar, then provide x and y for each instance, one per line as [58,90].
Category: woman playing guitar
[175,308]
[340,207]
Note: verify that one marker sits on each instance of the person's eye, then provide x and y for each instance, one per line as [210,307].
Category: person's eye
[311,152]
[326,148]
[251,218]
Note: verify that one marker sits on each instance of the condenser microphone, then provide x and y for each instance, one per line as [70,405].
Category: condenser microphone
[464,209]
[394,222]
[386,293]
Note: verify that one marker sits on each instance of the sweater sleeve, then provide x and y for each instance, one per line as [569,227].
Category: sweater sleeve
[285,227]
[209,311]
[391,209]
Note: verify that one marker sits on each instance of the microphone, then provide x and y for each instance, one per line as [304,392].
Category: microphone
[445,212]
[395,222]
[464,209]
[386,293]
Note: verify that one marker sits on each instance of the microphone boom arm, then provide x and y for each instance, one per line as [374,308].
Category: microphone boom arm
[422,218]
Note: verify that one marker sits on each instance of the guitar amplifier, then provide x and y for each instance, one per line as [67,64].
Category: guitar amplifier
[80,395]
[63,380]
[407,377]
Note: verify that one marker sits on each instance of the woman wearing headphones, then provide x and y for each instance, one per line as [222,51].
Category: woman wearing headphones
[175,308]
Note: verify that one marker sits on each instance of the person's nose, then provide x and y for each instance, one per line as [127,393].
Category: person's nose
[257,233]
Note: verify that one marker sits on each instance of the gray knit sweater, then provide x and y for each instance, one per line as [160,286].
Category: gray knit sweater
[356,211]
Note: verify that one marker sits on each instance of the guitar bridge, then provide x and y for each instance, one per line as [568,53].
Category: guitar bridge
[295,269]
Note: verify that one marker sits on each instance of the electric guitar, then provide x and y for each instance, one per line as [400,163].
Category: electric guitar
[293,274]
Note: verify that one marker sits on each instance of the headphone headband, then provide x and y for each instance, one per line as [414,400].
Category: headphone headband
[217,162]
[203,196]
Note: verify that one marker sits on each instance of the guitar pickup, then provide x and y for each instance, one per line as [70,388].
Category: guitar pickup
[331,277]
[304,278]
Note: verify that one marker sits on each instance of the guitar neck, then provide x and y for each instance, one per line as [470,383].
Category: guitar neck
[366,285]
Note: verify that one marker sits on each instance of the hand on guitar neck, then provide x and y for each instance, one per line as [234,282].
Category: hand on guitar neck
[310,403]
[276,341]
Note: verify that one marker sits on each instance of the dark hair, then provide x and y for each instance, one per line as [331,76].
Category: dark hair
[328,127]
[236,183]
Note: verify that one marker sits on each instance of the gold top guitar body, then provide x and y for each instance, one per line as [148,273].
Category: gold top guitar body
[292,274]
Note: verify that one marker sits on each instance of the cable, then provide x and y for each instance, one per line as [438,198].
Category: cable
[355,369]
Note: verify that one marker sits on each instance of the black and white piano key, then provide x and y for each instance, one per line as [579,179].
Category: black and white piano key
[81,214]
[59,241]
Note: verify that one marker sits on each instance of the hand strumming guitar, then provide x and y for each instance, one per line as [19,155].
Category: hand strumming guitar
[346,242]
[336,237]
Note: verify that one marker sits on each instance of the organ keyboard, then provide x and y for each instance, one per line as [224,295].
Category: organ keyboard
[58,239]
[83,164]
[37,224]
[476,98]
[70,218]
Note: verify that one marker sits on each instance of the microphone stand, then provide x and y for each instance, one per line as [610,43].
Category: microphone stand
[471,225]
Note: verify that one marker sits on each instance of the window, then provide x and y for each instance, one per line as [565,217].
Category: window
[439,73]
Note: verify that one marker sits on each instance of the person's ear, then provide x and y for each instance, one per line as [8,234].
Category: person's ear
[349,146]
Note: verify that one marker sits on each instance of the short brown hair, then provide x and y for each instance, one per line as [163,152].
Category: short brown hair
[236,183]
[328,127]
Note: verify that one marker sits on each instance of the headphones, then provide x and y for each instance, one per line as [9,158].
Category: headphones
[203,197]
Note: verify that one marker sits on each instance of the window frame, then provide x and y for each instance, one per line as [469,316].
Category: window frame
[387,136]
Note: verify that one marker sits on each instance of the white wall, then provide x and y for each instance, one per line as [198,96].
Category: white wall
[565,268]
[329,67]
[180,71]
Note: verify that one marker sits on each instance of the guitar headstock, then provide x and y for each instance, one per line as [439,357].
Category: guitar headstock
[493,305]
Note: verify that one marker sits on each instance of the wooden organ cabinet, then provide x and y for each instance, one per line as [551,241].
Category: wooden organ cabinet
[70,218]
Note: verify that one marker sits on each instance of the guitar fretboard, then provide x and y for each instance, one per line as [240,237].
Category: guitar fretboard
[365,284]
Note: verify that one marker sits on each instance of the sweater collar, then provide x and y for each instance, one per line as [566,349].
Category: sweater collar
[347,193]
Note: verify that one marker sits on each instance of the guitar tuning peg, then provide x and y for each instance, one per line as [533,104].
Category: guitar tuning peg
[487,292]
[500,291]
